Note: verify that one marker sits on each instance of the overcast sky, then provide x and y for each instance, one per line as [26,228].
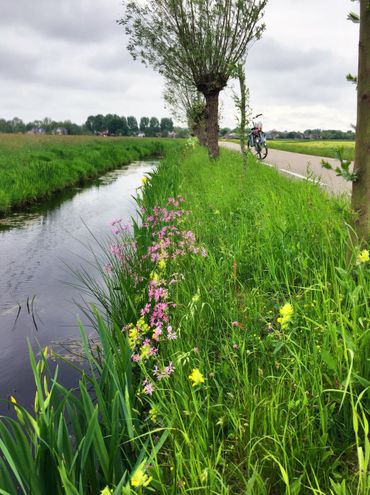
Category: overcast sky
[66,59]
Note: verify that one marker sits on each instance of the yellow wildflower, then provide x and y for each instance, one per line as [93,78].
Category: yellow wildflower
[153,414]
[196,297]
[196,377]
[145,351]
[13,400]
[162,265]
[144,180]
[139,478]
[154,276]
[106,491]
[363,257]
[285,315]
[132,336]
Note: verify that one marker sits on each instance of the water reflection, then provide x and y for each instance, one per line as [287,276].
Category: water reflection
[37,297]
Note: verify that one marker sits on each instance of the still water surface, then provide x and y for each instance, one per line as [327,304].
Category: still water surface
[37,302]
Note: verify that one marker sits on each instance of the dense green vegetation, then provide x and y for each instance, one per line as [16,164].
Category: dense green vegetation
[33,167]
[259,381]
[111,124]
[319,148]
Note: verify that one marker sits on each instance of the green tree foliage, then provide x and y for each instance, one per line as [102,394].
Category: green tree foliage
[187,105]
[144,125]
[113,123]
[166,126]
[133,128]
[154,126]
[200,40]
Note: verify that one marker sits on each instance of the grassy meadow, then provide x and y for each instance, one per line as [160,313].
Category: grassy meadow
[318,148]
[233,357]
[33,167]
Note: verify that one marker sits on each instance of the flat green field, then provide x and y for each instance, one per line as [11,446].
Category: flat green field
[318,148]
[33,167]
[326,149]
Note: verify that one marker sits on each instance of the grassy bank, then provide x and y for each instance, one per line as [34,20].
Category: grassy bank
[272,329]
[234,359]
[33,167]
[317,148]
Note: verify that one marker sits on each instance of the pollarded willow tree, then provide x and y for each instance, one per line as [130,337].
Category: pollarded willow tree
[202,40]
[187,105]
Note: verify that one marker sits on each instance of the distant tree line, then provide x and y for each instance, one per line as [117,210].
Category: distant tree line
[129,126]
[316,134]
[331,134]
[110,124]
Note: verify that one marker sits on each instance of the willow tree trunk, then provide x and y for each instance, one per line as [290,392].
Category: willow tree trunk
[361,187]
[212,123]
[200,132]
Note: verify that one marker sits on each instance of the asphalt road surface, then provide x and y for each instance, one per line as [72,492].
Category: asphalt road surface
[301,166]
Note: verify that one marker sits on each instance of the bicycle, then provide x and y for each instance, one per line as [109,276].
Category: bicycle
[257,139]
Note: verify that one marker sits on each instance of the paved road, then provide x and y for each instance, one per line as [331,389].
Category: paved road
[297,165]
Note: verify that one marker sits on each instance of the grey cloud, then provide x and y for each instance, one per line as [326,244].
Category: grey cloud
[72,20]
[15,65]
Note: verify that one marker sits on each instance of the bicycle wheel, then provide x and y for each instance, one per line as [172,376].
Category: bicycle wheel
[254,148]
[263,151]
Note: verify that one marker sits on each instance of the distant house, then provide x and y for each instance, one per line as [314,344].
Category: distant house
[103,133]
[61,131]
[141,135]
[172,134]
[37,130]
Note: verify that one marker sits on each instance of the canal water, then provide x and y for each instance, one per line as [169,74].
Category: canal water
[38,248]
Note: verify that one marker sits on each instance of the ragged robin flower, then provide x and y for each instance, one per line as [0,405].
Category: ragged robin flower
[196,377]
[285,315]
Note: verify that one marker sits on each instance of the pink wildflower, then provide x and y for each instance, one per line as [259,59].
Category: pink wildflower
[115,221]
[171,335]
[148,388]
[108,268]
[170,369]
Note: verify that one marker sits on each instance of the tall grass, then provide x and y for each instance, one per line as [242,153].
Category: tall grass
[283,407]
[34,167]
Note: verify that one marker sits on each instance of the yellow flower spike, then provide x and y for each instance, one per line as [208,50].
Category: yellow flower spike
[45,352]
[139,478]
[196,377]
[13,400]
[106,491]
[144,180]
[363,257]
[154,277]
[285,315]
[162,265]
[144,351]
